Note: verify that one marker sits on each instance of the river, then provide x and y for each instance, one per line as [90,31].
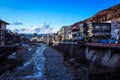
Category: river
[35,67]
[32,68]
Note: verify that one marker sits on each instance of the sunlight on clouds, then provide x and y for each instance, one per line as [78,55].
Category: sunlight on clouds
[43,29]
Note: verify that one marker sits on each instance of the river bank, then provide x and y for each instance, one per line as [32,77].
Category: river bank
[91,63]
[54,67]
[44,64]
[24,53]
[11,58]
[61,62]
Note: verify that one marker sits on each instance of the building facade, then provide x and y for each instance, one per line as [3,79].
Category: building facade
[115,31]
[2,32]
[65,33]
[91,31]
[79,31]
[98,31]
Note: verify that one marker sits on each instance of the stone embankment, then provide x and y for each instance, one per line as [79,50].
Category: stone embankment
[93,56]
[92,60]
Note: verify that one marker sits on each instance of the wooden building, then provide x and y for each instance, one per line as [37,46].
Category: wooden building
[2,32]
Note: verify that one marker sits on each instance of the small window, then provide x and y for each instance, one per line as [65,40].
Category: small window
[97,27]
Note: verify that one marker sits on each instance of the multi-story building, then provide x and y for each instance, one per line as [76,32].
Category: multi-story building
[2,32]
[79,31]
[92,31]
[115,27]
[98,31]
[65,33]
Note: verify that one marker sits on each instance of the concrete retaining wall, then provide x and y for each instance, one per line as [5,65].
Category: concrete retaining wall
[90,56]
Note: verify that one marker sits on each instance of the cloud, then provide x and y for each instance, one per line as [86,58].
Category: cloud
[17,23]
[55,30]
[43,29]
[45,26]
[15,30]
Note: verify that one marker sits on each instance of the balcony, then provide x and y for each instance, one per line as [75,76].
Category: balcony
[2,28]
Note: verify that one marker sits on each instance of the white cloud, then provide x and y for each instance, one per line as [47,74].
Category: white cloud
[44,26]
[55,30]
[43,29]
[17,23]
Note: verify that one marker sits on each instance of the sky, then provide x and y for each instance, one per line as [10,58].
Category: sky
[32,14]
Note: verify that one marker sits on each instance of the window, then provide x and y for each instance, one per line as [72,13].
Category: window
[104,27]
[97,27]
[97,34]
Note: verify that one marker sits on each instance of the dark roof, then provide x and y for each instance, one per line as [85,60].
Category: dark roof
[4,22]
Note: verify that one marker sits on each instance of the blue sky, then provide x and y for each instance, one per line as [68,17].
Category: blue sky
[56,13]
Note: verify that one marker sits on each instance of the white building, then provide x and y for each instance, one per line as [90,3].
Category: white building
[115,30]
[66,33]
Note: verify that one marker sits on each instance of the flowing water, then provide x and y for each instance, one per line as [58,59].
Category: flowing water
[37,67]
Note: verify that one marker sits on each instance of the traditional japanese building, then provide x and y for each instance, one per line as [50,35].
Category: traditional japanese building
[2,32]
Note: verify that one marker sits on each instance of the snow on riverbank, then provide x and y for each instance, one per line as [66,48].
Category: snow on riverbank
[33,66]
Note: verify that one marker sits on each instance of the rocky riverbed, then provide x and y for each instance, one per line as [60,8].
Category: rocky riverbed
[40,62]
[54,68]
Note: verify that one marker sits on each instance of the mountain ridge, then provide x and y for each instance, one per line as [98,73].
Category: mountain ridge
[109,14]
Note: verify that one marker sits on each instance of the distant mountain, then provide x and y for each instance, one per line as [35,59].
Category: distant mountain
[112,13]
[31,35]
